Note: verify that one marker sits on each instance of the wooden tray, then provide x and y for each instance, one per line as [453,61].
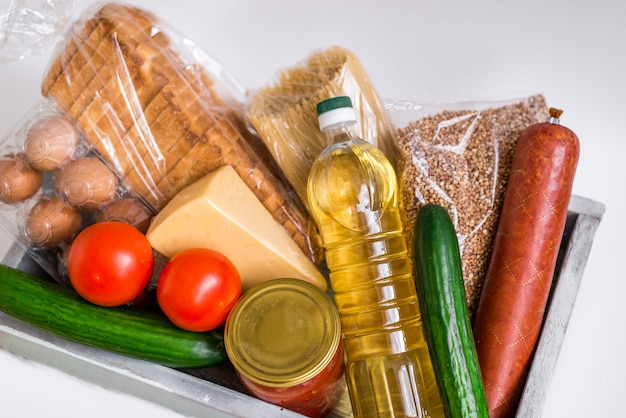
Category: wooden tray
[217,392]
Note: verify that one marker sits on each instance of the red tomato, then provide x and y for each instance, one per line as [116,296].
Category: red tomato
[110,263]
[197,289]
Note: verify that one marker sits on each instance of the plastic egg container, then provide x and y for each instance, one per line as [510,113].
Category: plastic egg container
[52,185]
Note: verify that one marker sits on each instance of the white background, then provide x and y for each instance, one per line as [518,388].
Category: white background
[571,51]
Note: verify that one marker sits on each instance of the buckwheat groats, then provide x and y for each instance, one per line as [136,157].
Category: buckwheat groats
[460,159]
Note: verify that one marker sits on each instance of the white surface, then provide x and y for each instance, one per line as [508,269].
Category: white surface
[572,52]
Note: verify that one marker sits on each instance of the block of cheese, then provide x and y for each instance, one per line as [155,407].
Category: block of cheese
[220,212]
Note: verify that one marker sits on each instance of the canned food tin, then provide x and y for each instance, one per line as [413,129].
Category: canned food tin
[284,339]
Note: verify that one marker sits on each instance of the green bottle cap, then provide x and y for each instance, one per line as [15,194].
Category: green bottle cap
[333,103]
[335,110]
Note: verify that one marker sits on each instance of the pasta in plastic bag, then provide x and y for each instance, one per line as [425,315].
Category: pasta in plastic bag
[284,113]
[459,155]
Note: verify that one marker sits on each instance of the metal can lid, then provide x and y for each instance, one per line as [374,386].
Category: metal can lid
[282,332]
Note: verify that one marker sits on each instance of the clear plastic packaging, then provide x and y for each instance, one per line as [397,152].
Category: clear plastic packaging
[459,156]
[29,27]
[43,221]
[158,113]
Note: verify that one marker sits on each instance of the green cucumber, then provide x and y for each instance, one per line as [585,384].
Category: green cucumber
[440,288]
[125,330]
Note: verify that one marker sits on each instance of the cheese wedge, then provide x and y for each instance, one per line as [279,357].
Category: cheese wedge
[221,213]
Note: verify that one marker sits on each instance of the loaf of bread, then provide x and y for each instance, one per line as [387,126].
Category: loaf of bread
[157,119]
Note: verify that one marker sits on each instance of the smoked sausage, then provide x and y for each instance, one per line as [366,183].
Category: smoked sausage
[517,284]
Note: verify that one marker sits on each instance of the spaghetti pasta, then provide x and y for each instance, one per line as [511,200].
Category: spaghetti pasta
[284,115]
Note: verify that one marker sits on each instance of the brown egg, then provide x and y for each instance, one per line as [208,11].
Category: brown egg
[52,221]
[86,183]
[51,143]
[18,180]
[128,210]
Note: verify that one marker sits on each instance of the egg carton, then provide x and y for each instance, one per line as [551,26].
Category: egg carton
[53,185]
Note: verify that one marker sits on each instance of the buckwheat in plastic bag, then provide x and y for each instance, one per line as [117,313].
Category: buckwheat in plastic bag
[459,155]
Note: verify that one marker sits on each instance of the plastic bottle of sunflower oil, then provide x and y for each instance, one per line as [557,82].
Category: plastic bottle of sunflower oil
[352,193]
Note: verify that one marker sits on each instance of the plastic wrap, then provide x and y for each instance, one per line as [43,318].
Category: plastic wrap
[29,27]
[459,155]
[36,152]
[284,112]
[151,113]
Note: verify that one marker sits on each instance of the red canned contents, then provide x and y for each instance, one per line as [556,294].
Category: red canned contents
[284,340]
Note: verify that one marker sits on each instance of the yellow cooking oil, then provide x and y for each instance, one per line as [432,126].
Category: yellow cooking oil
[352,193]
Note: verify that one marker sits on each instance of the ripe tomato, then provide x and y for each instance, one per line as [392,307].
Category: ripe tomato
[110,263]
[197,289]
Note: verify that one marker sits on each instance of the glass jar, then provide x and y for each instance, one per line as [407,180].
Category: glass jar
[283,338]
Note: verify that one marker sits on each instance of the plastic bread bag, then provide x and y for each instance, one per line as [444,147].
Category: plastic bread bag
[459,155]
[30,27]
[283,113]
[162,113]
